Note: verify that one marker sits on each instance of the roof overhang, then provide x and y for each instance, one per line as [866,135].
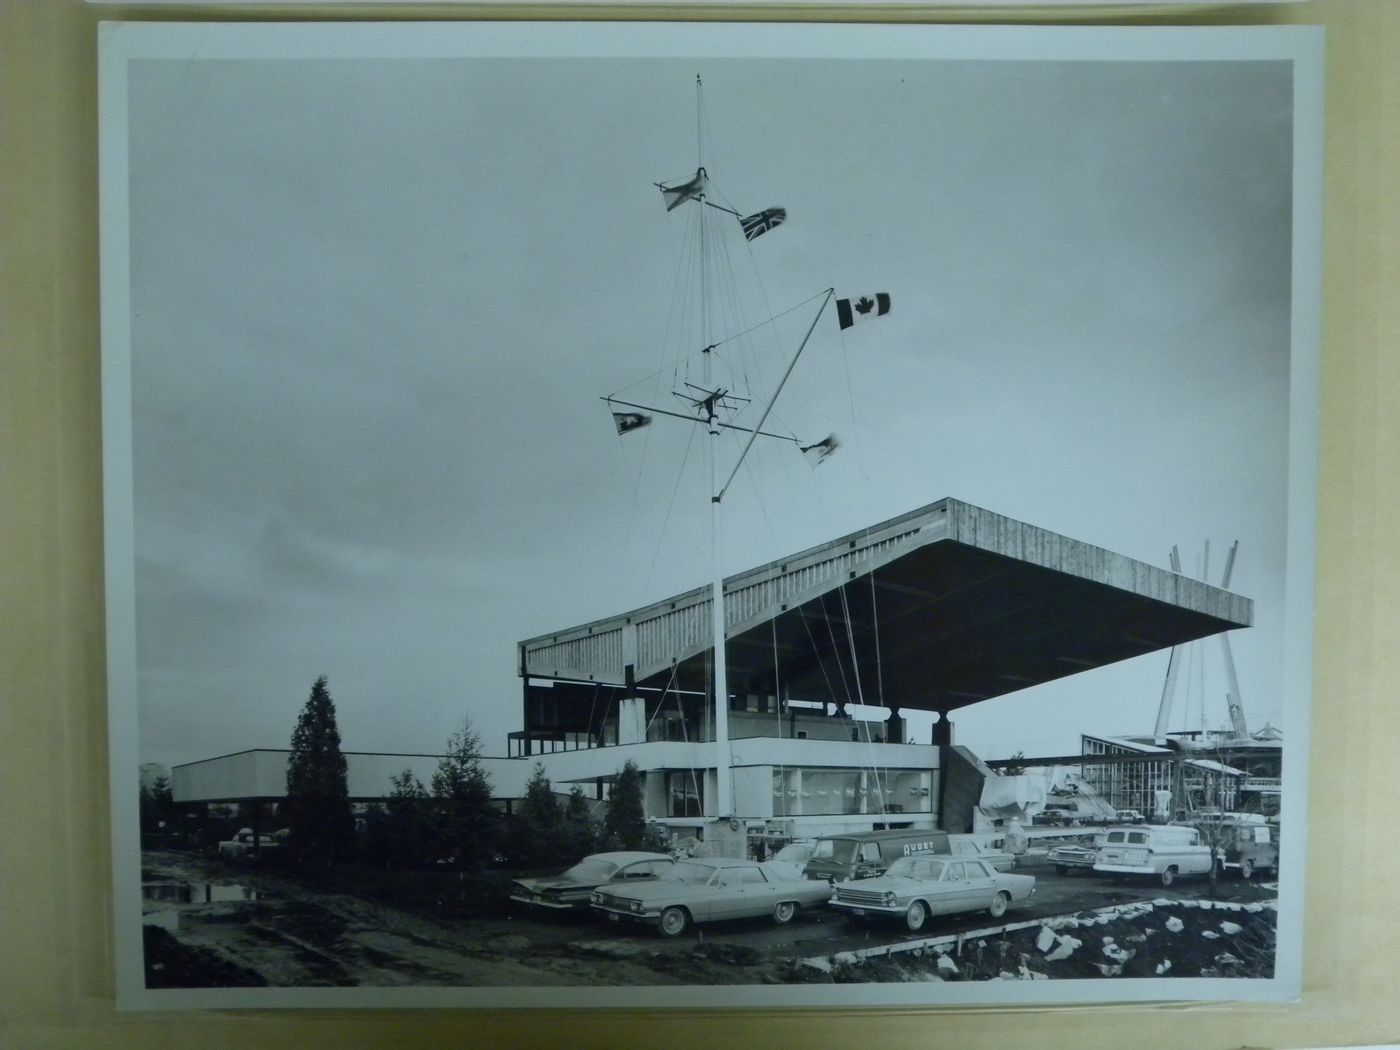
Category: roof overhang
[934,610]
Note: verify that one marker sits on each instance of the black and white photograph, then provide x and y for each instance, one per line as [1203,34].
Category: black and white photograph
[635,515]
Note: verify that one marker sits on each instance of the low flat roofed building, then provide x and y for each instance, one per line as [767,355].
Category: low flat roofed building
[260,775]
[935,610]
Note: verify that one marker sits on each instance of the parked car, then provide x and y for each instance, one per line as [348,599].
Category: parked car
[865,854]
[1162,850]
[917,887]
[1129,816]
[572,888]
[1074,856]
[982,847]
[705,890]
[792,859]
[245,845]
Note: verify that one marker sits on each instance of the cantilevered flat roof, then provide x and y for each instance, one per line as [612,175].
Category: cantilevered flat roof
[934,610]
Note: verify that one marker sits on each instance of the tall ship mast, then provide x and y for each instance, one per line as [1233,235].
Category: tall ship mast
[707,375]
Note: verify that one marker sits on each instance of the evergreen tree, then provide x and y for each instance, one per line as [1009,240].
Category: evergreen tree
[537,832]
[579,836]
[625,822]
[467,823]
[157,811]
[401,829]
[318,799]
[538,808]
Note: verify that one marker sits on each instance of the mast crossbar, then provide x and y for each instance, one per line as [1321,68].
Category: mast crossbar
[701,420]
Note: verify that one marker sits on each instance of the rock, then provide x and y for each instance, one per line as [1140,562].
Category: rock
[1205,905]
[1226,959]
[1136,938]
[1064,949]
[1175,925]
[1109,971]
[1209,971]
[1117,954]
[946,966]
[1254,908]
[1164,966]
[1231,928]
[818,964]
[1108,940]
[1210,935]
[1046,939]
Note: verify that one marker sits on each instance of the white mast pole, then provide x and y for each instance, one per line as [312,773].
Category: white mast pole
[724,804]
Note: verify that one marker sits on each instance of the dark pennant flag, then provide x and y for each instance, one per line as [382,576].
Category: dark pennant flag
[626,421]
[819,451]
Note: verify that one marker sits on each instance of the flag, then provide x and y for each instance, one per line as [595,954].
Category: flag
[678,195]
[758,224]
[862,309]
[626,421]
[823,448]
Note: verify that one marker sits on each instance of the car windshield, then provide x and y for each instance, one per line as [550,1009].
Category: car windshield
[794,851]
[591,868]
[690,872]
[839,850]
[915,868]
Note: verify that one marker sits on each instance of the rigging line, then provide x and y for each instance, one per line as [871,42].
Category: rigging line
[777,677]
[671,506]
[879,655]
[855,671]
[816,651]
[593,707]
[840,666]
[773,317]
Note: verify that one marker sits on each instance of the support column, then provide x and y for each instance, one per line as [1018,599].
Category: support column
[943,730]
[894,727]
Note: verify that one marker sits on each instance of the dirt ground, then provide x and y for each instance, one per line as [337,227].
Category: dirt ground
[213,924]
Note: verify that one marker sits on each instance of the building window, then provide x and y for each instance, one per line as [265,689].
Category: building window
[685,793]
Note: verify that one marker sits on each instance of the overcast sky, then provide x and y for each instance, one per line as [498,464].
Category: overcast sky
[375,302]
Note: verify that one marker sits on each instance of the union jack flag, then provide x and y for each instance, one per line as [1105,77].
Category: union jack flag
[758,224]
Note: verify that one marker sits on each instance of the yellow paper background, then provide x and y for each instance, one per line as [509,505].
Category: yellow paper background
[56,960]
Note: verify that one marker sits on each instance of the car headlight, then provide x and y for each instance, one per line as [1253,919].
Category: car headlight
[636,905]
[889,898]
[596,898]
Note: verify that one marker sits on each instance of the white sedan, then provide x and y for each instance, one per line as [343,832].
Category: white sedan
[918,887]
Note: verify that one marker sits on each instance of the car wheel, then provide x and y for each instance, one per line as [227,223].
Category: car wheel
[999,904]
[1246,869]
[783,912]
[674,921]
[1168,876]
[916,916]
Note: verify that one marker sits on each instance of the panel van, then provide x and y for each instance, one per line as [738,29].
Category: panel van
[1161,850]
[866,854]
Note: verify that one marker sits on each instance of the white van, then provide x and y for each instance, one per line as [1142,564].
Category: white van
[1163,850]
